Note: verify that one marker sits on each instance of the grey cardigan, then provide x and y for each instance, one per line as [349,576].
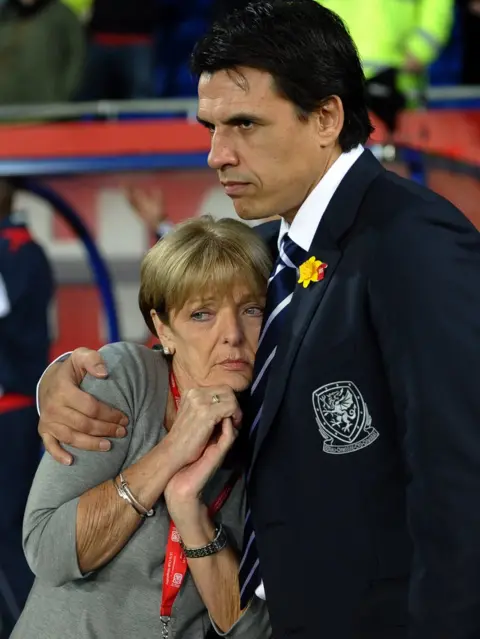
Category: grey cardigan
[121,599]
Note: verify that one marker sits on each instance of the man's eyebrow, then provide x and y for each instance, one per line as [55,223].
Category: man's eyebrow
[204,122]
[235,119]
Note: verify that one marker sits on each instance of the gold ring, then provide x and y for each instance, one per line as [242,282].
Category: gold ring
[215,399]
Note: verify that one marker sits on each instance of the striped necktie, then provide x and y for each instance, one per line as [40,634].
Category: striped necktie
[281,286]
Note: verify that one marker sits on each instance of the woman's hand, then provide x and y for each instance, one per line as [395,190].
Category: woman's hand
[197,418]
[183,496]
[184,490]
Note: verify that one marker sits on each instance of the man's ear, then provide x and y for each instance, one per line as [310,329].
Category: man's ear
[164,333]
[330,120]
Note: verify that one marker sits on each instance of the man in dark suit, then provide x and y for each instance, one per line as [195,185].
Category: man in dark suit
[364,419]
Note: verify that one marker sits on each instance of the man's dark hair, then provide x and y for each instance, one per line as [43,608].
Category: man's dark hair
[305,48]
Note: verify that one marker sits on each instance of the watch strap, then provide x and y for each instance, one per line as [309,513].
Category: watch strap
[212,548]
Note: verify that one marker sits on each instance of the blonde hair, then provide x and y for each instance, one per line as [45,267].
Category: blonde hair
[201,256]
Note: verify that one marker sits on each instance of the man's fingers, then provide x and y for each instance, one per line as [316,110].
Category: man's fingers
[89,442]
[93,410]
[107,414]
[88,426]
[98,428]
[56,451]
[85,359]
[66,435]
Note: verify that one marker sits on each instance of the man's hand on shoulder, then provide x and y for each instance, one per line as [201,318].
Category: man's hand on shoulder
[70,416]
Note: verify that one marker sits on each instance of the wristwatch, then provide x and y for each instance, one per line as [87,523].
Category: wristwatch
[213,547]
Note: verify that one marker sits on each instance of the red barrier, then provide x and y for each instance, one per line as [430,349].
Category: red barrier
[79,318]
[87,139]
[452,134]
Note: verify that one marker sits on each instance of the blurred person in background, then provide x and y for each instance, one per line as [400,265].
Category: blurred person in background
[470,21]
[26,289]
[41,52]
[81,8]
[121,54]
[397,40]
[149,206]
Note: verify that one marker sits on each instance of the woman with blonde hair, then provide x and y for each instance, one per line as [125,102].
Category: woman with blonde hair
[142,541]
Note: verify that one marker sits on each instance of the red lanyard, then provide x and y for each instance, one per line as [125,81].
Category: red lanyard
[172,380]
[175,567]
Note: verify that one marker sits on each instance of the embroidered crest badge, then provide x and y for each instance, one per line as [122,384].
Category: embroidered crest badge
[343,418]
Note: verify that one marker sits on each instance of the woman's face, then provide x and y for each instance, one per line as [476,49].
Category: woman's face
[214,339]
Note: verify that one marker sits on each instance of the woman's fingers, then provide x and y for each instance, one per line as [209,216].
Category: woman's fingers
[203,410]
[190,481]
[228,435]
[212,404]
[221,443]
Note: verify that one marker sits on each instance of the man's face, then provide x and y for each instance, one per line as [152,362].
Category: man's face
[267,158]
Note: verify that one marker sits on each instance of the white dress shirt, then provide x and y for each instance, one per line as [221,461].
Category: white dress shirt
[305,223]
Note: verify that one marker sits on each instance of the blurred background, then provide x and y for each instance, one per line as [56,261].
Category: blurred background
[100,150]
[96,98]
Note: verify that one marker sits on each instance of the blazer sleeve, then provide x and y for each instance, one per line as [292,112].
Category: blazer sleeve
[254,623]
[425,303]
[49,528]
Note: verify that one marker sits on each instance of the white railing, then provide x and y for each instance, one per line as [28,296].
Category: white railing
[107,109]
[185,107]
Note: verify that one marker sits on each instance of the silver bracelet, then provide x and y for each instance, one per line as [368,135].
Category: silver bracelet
[125,493]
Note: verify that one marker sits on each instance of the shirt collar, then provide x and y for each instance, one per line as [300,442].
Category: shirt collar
[305,224]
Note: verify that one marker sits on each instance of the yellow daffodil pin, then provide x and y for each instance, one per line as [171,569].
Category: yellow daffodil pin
[312,270]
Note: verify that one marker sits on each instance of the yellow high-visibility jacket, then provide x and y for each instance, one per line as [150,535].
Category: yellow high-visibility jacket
[387,31]
[80,7]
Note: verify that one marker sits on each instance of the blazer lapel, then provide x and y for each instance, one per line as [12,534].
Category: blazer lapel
[336,222]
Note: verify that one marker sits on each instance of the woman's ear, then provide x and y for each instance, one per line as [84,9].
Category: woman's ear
[164,333]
